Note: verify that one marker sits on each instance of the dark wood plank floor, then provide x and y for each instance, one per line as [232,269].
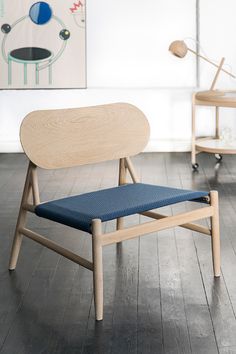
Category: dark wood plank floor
[160,294]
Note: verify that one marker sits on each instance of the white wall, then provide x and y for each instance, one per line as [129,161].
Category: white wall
[217,37]
[128,43]
[163,108]
[128,60]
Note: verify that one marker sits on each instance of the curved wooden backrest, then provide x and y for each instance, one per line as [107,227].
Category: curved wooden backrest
[71,137]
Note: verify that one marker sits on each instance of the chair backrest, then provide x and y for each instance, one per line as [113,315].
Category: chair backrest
[71,137]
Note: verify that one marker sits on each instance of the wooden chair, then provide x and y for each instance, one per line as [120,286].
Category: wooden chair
[55,139]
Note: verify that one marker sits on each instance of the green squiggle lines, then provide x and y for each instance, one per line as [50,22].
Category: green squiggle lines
[2,8]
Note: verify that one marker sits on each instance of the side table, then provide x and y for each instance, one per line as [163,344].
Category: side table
[213,145]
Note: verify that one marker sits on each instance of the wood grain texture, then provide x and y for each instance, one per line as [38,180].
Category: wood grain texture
[215,230]
[193,227]
[72,137]
[154,226]
[57,248]
[21,220]
[121,180]
[217,98]
[97,268]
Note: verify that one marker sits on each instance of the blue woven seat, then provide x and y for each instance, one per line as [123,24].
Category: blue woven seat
[108,204]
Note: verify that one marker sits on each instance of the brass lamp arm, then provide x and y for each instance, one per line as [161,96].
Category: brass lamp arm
[211,62]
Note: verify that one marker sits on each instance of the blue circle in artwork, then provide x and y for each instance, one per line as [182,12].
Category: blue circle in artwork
[40,13]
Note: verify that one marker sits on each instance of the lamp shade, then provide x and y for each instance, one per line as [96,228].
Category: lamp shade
[178,48]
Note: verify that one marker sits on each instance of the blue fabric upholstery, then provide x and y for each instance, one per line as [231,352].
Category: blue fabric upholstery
[108,204]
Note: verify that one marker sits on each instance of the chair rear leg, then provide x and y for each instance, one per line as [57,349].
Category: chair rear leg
[119,226]
[215,233]
[119,223]
[97,268]
[122,180]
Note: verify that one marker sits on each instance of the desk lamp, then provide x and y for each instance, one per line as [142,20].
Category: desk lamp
[180,49]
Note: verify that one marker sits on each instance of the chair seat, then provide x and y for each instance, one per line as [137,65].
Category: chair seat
[108,204]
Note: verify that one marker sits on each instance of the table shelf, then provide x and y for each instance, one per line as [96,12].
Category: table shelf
[216,146]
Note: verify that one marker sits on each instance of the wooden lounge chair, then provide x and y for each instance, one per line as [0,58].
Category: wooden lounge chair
[55,139]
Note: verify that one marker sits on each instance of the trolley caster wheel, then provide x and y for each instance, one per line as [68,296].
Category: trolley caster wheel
[218,157]
[195,166]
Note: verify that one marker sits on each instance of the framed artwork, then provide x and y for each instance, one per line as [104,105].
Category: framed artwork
[42,44]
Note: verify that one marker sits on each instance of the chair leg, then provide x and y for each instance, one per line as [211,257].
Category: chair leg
[119,223]
[97,268]
[17,240]
[119,226]
[122,180]
[20,221]
[215,233]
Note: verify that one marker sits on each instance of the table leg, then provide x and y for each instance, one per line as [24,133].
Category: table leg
[193,153]
[217,124]
[37,73]
[25,73]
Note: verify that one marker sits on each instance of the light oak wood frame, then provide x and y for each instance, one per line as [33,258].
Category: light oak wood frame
[31,198]
[99,240]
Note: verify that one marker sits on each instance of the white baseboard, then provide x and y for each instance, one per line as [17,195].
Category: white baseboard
[10,146]
[154,145]
[168,145]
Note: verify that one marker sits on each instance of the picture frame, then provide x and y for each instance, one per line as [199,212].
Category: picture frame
[43,44]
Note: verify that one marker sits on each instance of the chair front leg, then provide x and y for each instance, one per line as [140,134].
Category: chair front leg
[97,268]
[215,233]
[21,220]
[17,239]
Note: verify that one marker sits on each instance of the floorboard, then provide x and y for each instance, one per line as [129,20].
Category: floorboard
[160,295]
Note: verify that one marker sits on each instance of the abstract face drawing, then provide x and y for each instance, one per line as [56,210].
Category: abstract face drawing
[78,13]
[41,14]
